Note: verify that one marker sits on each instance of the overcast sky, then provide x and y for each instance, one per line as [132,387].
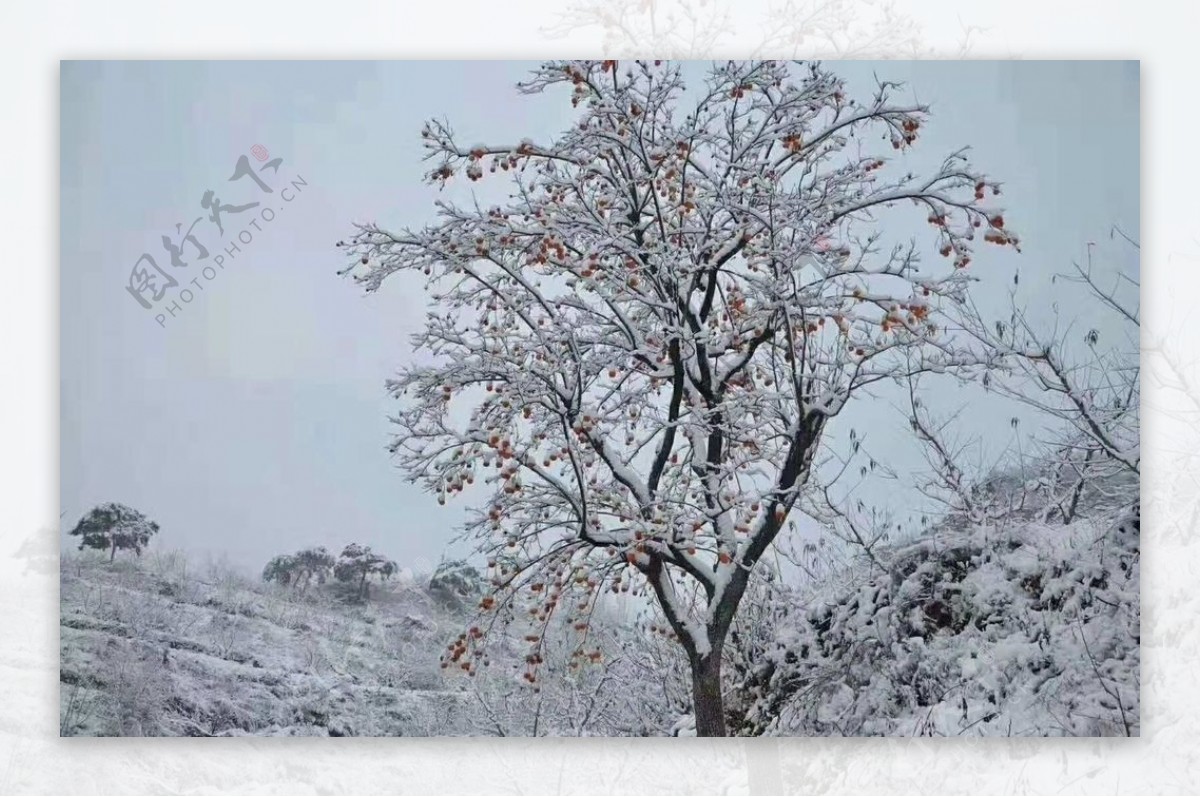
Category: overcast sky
[254,421]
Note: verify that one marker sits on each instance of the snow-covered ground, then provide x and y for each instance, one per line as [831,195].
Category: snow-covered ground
[1021,627]
[152,647]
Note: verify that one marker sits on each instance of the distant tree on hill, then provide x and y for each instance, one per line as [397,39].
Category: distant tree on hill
[313,563]
[281,569]
[456,580]
[113,526]
[300,568]
[358,563]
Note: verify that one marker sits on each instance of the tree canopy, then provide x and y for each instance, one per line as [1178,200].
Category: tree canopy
[636,356]
[112,527]
[357,563]
[300,568]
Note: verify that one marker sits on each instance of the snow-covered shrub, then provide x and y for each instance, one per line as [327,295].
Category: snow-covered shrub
[136,687]
[1015,629]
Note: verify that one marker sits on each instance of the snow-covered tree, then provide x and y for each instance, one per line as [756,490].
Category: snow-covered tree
[456,581]
[1088,386]
[300,568]
[357,563]
[314,563]
[281,569]
[636,356]
[111,526]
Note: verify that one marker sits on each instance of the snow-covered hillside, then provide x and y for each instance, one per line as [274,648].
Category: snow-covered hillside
[152,647]
[1019,627]
[161,646]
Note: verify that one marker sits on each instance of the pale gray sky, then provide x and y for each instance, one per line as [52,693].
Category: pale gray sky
[255,421]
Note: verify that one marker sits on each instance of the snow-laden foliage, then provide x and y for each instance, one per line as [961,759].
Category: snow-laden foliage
[281,569]
[1017,628]
[1092,387]
[358,563]
[301,568]
[637,355]
[457,581]
[112,527]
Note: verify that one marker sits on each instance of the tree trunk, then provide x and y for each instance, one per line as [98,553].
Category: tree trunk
[362,586]
[707,703]
[112,554]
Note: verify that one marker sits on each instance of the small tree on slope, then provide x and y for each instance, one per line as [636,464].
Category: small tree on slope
[313,563]
[282,569]
[114,526]
[358,562]
[457,582]
[639,353]
[300,568]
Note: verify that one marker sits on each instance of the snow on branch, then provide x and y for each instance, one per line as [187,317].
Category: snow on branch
[634,358]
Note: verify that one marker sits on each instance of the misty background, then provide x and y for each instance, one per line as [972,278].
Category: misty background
[255,421]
